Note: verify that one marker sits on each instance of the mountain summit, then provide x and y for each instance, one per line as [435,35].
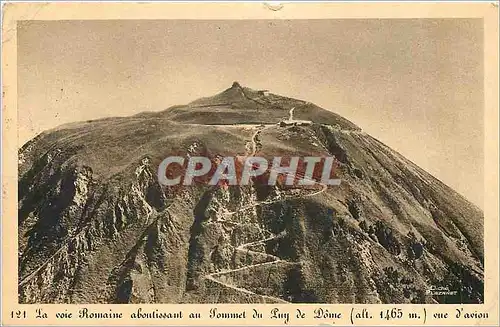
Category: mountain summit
[95,226]
[243,105]
[236,85]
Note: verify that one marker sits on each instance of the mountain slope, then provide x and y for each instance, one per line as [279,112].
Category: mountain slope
[96,227]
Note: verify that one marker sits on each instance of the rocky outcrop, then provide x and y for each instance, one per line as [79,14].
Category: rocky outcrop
[95,226]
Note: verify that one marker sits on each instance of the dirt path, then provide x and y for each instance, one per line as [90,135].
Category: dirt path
[290,118]
[216,277]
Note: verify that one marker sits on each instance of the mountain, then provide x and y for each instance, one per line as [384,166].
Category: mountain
[95,225]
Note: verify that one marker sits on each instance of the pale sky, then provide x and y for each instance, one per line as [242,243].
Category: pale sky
[416,85]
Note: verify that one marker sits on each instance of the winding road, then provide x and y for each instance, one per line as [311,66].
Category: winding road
[218,277]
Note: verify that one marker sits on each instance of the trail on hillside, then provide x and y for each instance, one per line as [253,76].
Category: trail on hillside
[274,260]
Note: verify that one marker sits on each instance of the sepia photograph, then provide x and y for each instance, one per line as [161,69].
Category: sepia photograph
[251,161]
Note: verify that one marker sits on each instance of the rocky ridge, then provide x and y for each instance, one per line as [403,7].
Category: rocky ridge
[96,227]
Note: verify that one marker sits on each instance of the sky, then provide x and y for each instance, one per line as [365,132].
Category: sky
[414,84]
